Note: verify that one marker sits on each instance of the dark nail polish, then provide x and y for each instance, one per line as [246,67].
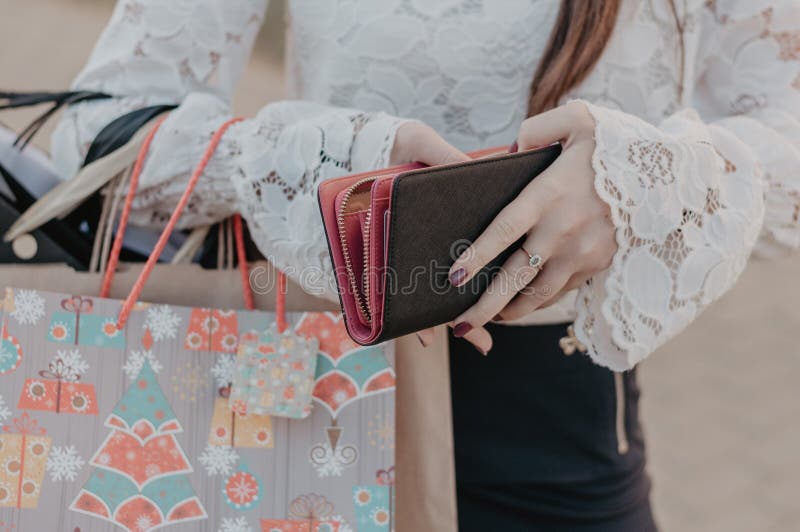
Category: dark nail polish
[461,329]
[514,148]
[419,337]
[458,276]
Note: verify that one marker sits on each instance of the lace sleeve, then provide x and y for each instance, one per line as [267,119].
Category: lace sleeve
[691,198]
[267,167]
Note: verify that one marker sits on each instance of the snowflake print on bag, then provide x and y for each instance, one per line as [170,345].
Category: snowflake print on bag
[218,459]
[330,460]
[163,322]
[223,370]
[28,307]
[64,463]
[135,360]
[239,524]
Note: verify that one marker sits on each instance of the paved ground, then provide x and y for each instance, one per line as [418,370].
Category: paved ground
[721,403]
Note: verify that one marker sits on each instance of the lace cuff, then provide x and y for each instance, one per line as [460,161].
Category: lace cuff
[687,218]
[267,167]
[280,158]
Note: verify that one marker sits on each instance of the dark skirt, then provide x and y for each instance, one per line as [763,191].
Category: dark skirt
[541,442]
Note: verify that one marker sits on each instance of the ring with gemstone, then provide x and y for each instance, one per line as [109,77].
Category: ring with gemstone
[535,260]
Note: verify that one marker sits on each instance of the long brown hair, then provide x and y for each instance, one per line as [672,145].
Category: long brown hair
[580,35]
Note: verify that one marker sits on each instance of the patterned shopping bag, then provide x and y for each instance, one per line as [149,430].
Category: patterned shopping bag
[149,459]
[166,407]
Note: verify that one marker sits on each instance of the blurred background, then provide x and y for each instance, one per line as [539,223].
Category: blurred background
[721,403]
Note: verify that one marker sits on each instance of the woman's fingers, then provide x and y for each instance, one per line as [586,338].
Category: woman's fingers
[480,338]
[417,142]
[515,275]
[516,219]
[547,285]
[552,126]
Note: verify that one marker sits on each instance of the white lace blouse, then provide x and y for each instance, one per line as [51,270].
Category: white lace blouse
[698,154]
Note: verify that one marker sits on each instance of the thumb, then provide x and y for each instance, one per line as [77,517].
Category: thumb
[420,143]
[545,129]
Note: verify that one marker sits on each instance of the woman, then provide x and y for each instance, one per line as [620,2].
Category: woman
[680,156]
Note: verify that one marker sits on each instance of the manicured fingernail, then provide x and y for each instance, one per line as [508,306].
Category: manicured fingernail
[457,277]
[421,340]
[461,329]
[498,318]
[514,148]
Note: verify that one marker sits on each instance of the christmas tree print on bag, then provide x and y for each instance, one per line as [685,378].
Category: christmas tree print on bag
[141,476]
[24,447]
[75,324]
[10,351]
[58,389]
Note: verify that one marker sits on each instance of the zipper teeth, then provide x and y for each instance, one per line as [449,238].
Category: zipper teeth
[365,280]
[348,264]
[622,434]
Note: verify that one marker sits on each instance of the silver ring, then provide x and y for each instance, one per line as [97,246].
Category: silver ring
[535,260]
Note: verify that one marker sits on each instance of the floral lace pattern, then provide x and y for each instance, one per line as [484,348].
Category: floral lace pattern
[689,196]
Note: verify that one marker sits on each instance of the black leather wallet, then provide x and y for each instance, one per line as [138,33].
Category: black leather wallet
[393,235]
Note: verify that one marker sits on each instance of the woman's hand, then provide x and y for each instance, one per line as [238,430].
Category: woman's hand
[563,221]
[417,142]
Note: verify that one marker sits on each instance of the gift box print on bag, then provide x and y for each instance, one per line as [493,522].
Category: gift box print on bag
[229,427]
[374,504]
[24,447]
[229,468]
[212,330]
[57,389]
[75,324]
[307,513]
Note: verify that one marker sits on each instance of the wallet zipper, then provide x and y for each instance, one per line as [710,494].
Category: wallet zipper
[361,301]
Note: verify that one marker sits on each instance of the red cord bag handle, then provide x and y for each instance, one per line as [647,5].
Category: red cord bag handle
[136,290]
